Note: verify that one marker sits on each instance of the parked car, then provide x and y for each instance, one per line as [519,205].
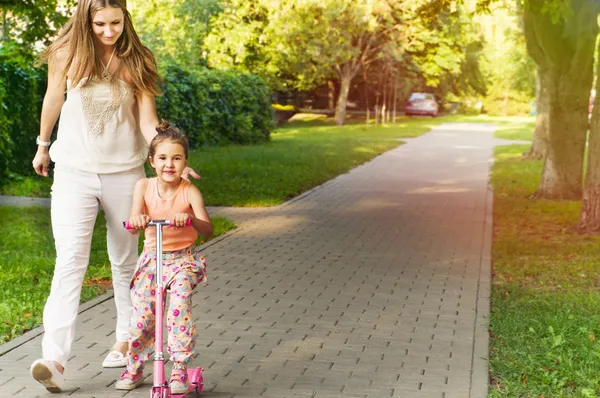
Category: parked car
[421,104]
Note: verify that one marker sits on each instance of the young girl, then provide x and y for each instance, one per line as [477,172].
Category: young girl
[167,196]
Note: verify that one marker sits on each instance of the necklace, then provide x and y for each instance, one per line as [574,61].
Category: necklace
[105,73]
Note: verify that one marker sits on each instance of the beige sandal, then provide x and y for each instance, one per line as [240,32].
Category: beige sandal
[114,359]
[46,373]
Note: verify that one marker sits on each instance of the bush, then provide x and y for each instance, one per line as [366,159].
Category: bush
[215,107]
[5,141]
[21,95]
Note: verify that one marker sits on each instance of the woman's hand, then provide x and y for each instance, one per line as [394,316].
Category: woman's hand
[41,161]
[187,172]
[180,219]
[138,222]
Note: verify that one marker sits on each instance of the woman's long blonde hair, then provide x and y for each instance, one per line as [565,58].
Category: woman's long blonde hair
[76,38]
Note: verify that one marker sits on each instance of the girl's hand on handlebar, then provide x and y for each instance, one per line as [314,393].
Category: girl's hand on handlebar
[180,220]
[138,222]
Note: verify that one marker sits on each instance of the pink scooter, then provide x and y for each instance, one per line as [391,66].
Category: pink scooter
[161,388]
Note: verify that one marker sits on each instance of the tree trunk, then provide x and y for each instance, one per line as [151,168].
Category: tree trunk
[540,137]
[385,100]
[330,95]
[388,106]
[566,51]
[395,98]
[589,218]
[366,94]
[562,176]
[345,80]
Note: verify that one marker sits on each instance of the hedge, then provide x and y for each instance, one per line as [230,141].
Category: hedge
[216,107]
[21,95]
[212,107]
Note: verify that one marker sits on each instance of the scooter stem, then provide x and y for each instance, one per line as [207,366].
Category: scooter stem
[159,359]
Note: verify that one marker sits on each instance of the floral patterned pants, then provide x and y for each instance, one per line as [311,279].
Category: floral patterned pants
[182,271]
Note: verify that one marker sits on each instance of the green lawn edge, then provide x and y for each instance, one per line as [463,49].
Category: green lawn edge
[544,318]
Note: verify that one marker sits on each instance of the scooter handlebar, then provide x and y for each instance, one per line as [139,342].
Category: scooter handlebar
[128,226]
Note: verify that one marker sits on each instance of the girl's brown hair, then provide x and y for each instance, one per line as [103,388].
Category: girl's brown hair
[166,132]
[76,38]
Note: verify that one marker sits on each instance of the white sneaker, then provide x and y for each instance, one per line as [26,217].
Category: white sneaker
[114,359]
[46,373]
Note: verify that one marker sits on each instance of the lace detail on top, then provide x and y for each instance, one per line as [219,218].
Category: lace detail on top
[98,111]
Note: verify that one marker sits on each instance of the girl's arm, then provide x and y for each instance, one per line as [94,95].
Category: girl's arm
[201,222]
[137,217]
[53,102]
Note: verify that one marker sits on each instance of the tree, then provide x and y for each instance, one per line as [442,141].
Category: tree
[540,141]
[563,48]
[589,218]
[446,51]
[300,44]
[237,40]
[338,35]
[175,29]
[31,21]
[508,69]
[560,37]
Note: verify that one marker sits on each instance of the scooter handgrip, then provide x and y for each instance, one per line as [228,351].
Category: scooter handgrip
[127,225]
[187,223]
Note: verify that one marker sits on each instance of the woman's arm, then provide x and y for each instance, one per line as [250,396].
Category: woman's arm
[53,102]
[148,122]
[147,116]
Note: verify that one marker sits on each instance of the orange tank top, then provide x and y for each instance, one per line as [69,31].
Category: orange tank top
[164,209]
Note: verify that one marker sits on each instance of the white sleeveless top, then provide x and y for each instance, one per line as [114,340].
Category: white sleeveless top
[98,129]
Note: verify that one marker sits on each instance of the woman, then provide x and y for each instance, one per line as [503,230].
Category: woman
[109,112]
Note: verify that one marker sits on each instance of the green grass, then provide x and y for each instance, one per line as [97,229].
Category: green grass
[305,153]
[545,315]
[27,265]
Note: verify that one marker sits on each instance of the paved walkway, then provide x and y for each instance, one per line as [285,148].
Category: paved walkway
[375,284]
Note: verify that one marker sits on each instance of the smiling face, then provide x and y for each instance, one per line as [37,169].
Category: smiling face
[169,161]
[107,25]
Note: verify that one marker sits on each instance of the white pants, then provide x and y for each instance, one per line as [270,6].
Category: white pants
[76,197]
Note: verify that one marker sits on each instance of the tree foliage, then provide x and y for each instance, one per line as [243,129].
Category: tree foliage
[508,69]
[300,44]
[447,51]
[174,29]
[31,22]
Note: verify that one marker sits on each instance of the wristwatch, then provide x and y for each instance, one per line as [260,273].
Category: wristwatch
[39,141]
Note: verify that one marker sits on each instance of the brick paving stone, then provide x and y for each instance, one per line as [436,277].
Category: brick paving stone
[366,286]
